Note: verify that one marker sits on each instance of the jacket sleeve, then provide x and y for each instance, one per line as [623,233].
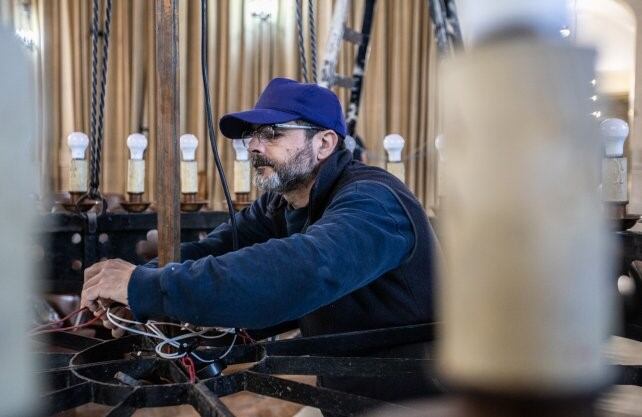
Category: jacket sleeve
[253,227]
[363,233]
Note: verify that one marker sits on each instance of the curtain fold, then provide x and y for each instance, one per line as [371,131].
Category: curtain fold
[399,94]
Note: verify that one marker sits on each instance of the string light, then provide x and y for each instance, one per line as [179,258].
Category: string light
[596,113]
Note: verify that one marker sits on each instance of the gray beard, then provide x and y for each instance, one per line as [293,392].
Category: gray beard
[288,176]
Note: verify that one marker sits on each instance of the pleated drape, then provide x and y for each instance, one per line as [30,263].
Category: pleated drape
[400,92]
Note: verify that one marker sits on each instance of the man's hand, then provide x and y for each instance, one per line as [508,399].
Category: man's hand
[122,312]
[106,281]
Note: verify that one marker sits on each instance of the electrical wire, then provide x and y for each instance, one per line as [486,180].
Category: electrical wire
[190,367]
[59,321]
[175,342]
[227,352]
[64,329]
[210,123]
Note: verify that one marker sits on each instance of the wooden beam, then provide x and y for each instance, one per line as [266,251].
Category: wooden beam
[167,122]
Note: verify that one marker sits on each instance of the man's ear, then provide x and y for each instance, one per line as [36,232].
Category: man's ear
[329,141]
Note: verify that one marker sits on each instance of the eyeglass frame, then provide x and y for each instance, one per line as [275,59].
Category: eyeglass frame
[247,136]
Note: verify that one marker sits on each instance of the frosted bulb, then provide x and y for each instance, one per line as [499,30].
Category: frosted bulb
[240,149]
[77,142]
[137,143]
[393,144]
[188,144]
[615,132]
[350,143]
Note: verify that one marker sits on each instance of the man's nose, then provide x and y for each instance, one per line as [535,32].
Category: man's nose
[254,145]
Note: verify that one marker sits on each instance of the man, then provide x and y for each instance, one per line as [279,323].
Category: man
[332,243]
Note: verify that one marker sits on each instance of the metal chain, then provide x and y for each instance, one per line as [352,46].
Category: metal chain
[94,82]
[299,28]
[98,89]
[97,157]
[313,39]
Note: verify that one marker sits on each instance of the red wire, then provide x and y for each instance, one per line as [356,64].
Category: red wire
[188,363]
[246,336]
[62,320]
[70,328]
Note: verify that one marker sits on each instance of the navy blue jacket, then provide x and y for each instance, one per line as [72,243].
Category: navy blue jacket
[362,259]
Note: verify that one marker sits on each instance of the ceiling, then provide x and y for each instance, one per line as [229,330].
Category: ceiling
[609,26]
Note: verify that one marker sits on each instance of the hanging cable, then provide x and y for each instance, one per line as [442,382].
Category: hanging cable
[313,40]
[94,87]
[97,157]
[210,123]
[299,29]
[98,90]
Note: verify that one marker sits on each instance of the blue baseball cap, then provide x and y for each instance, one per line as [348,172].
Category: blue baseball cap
[285,100]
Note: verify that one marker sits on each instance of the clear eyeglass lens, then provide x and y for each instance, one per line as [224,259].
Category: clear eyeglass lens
[263,134]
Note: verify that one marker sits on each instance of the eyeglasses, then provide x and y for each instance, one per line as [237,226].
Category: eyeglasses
[269,134]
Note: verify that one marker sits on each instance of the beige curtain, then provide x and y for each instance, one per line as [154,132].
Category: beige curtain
[399,94]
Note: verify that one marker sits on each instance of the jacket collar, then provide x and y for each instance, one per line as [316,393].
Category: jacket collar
[329,173]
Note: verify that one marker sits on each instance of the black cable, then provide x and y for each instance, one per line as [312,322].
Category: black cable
[313,39]
[210,124]
[94,95]
[299,29]
[101,104]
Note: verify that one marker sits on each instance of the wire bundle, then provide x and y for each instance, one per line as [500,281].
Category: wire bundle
[179,343]
[46,328]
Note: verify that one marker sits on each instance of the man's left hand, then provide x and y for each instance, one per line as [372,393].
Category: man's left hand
[108,281]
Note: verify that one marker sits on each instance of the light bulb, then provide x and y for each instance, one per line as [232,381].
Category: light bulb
[77,142]
[393,144]
[240,149]
[137,143]
[188,144]
[615,132]
[350,143]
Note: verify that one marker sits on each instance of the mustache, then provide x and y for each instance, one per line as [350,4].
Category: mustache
[259,160]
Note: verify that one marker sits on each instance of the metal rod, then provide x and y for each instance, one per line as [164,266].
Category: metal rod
[167,108]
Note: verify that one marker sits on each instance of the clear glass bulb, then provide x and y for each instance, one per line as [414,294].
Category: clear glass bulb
[393,144]
[188,144]
[137,143]
[77,142]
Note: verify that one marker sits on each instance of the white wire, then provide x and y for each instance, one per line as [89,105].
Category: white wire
[174,342]
[113,320]
[158,334]
[229,349]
